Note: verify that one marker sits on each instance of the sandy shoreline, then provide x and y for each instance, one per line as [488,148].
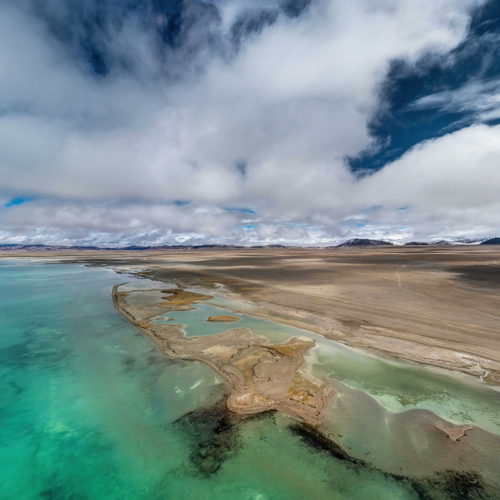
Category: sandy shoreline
[260,375]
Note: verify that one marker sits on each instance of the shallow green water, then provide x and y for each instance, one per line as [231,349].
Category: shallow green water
[402,386]
[85,396]
[195,323]
[89,409]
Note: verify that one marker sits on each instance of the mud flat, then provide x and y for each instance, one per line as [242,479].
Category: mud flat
[261,376]
[439,306]
[455,433]
[436,305]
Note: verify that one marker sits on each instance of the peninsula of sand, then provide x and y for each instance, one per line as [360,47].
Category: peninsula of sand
[260,375]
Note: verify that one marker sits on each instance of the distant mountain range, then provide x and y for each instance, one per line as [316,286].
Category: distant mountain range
[10,246]
[363,242]
[41,247]
[491,241]
[356,242]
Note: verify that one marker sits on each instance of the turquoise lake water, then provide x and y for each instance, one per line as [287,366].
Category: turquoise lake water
[90,410]
[195,323]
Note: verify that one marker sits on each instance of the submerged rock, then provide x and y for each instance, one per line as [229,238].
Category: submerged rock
[212,435]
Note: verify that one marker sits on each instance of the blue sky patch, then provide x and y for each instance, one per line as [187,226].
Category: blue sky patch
[240,210]
[17,201]
[399,125]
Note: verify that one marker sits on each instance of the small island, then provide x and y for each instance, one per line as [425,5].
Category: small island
[223,318]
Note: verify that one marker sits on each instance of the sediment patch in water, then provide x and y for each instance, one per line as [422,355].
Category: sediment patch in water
[223,318]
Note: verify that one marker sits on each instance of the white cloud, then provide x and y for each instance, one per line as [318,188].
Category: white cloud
[478,99]
[292,103]
[447,185]
[459,170]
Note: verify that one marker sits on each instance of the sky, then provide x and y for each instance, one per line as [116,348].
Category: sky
[297,122]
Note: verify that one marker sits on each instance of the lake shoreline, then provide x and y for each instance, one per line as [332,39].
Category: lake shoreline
[260,375]
[433,305]
[447,437]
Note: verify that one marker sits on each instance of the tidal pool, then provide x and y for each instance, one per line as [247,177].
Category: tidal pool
[90,409]
[195,323]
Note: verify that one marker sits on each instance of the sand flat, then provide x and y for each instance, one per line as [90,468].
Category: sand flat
[438,305]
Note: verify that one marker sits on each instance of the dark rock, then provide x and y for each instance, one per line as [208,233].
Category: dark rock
[491,241]
[363,242]
[212,436]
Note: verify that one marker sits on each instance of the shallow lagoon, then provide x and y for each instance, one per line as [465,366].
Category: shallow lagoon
[91,410]
[195,323]
[397,386]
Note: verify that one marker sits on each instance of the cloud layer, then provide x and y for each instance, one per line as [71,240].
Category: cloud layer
[152,125]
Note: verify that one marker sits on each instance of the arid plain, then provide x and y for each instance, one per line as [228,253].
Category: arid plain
[437,305]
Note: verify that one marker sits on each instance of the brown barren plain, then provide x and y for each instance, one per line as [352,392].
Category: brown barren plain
[437,305]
